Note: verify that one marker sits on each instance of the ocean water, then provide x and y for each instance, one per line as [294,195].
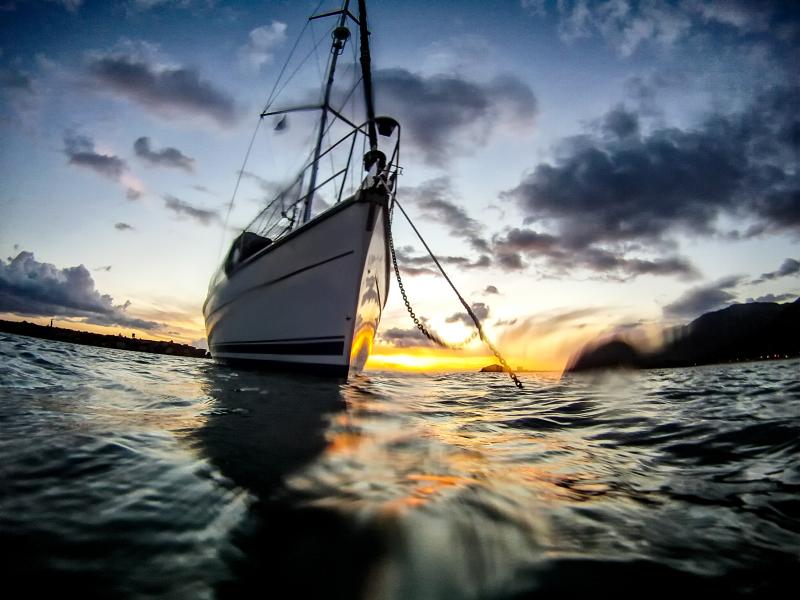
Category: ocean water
[131,475]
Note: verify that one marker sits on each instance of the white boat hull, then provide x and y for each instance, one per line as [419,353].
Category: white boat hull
[311,301]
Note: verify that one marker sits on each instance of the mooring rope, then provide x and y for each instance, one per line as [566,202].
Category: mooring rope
[429,334]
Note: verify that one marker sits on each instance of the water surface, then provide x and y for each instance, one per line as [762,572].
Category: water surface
[134,475]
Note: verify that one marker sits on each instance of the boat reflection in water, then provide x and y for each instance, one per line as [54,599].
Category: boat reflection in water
[261,428]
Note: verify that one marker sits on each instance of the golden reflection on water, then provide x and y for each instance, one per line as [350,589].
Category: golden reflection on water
[394,456]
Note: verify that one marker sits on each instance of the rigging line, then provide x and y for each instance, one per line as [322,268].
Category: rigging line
[236,187]
[334,120]
[297,69]
[357,80]
[466,306]
[308,162]
[272,94]
[316,56]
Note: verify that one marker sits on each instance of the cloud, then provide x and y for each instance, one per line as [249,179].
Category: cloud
[517,243]
[620,123]
[462,52]
[165,91]
[404,338]
[166,157]
[704,298]
[123,227]
[789,297]
[181,208]
[106,268]
[416,271]
[148,4]
[539,326]
[627,26]
[534,7]
[743,15]
[505,322]
[29,287]
[490,289]
[261,44]
[424,265]
[81,152]
[480,309]
[132,193]
[790,266]
[435,198]
[620,188]
[443,115]
[70,5]
[14,80]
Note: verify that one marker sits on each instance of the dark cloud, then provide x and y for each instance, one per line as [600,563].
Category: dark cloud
[436,200]
[789,297]
[510,250]
[750,232]
[424,265]
[790,266]
[163,90]
[28,287]
[404,338]
[480,309]
[123,227]
[81,152]
[626,26]
[166,157]
[106,268]
[505,322]
[13,80]
[618,189]
[180,207]
[620,123]
[445,114]
[510,261]
[704,298]
[416,271]
[490,289]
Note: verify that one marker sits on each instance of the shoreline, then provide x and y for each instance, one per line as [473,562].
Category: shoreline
[85,338]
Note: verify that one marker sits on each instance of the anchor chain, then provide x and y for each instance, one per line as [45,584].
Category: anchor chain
[429,334]
[432,336]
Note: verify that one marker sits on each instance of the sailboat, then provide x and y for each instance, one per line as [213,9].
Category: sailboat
[304,291]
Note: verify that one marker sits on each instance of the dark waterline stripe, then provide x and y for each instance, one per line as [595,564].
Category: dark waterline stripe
[283,366]
[297,339]
[309,348]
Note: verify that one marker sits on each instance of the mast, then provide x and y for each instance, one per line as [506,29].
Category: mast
[340,36]
[366,73]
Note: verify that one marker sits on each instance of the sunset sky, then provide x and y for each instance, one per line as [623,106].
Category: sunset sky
[582,167]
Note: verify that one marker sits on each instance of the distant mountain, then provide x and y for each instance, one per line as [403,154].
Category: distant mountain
[741,332]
